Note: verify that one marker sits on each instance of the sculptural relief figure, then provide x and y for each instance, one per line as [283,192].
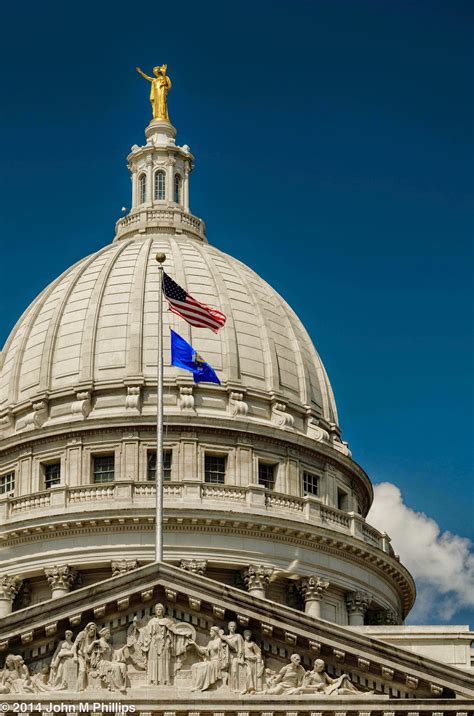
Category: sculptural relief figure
[235,659]
[254,666]
[160,86]
[290,678]
[15,677]
[83,645]
[164,642]
[213,667]
[318,681]
[134,649]
[106,664]
[64,668]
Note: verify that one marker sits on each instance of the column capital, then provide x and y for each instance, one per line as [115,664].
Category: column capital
[257,577]
[122,566]
[61,576]
[9,586]
[358,602]
[385,616]
[195,566]
[312,588]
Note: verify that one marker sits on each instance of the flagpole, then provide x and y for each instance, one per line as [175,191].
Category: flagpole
[159,419]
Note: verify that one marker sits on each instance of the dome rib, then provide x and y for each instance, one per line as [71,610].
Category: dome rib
[136,313]
[92,316]
[53,328]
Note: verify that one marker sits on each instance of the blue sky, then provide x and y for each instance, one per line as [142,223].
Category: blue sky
[334,155]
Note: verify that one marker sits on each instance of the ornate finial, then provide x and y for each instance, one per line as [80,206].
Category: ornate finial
[160,86]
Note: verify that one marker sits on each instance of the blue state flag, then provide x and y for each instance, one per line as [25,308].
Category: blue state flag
[184,356]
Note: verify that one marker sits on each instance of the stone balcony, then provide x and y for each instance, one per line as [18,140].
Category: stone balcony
[190,495]
[149,220]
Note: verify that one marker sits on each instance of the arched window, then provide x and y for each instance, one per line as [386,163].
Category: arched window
[142,188]
[159,185]
[177,188]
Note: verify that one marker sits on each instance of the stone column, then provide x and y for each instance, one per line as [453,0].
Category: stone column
[9,587]
[122,566]
[150,188]
[313,589]
[195,566]
[186,189]
[357,604]
[134,189]
[256,579]
[170,192]
[61,578]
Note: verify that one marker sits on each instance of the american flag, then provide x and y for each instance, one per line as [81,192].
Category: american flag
[194,312]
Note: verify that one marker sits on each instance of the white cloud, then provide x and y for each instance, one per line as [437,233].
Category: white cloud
[441,563]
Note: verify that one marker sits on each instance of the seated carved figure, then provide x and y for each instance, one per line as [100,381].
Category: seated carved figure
[290,678]
[112,673]
[206,673]
[318,681]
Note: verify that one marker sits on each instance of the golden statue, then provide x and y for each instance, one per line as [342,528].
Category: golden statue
[160,86]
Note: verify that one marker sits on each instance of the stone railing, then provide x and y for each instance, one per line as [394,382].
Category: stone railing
[249,499]
[146,218]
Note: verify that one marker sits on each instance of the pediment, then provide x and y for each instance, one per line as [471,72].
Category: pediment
[188,657]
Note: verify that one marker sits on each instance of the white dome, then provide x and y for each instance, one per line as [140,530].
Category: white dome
[96,325]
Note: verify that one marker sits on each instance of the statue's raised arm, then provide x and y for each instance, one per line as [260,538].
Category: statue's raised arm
[140,72]
[160,86]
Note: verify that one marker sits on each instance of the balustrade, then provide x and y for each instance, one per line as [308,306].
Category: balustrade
[252,498]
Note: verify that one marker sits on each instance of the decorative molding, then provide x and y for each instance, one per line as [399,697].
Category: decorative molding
[61,577]
[312,588]
[9,586]
[257,577]
[133,398]
[358,602]
[237,404]
[82,406]
[122,566]
[196,566]
[186,397]
[281,417]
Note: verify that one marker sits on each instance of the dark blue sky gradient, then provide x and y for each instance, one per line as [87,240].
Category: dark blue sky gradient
[334,155]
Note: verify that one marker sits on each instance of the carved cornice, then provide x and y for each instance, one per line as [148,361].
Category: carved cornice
[321,539]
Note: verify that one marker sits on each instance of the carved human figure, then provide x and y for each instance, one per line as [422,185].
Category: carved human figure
[15,677]
[254,666]
[158,643]
[134,649]
[289,679]
[83,645]
[318,681]
[213,667]
[63,672]
[160,86]
[235,661]
[105,662]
